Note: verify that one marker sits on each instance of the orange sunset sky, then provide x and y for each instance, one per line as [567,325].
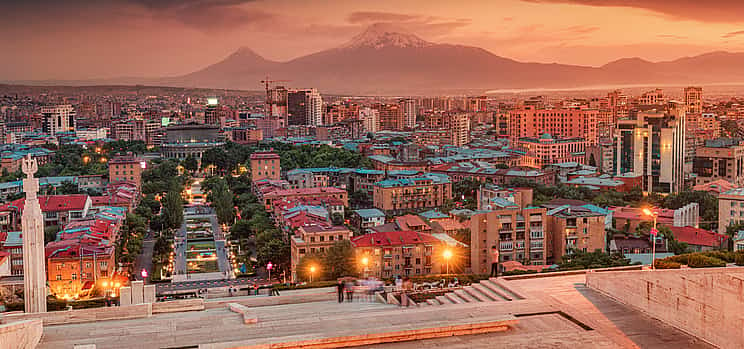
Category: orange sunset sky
[83,39]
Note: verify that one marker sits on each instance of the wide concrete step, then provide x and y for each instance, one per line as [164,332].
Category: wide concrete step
[487,292]
[454,298]
[432,301]
[467,297]
[470,290]
[496,289]
[502,284]
[444,300]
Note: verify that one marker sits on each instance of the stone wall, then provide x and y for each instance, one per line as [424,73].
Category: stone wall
[20,335]
[706,303]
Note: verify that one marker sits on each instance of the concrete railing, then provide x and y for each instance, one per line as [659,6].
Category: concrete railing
[706,303]
[570,272]
[108,313]
[20,335]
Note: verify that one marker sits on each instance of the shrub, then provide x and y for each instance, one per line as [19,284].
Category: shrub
[681,259]
[726,256]
[739,258]
[666,264]
[702,261]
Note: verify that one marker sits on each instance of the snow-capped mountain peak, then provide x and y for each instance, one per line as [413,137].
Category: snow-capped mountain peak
[380,35]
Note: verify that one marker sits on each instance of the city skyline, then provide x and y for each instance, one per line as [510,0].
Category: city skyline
[138,38]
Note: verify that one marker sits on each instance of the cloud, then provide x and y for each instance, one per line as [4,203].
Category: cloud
[208,15]
[720,11]
[429,26]
[733,34]
[671,36]
[366,17]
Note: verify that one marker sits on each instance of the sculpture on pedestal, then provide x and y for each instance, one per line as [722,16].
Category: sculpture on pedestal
[32,222]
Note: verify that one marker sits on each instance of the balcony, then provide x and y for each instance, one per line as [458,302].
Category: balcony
[387,267]
[534,235]
[506,246]
[519,244]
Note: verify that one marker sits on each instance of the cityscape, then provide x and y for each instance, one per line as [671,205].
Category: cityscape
[286,174]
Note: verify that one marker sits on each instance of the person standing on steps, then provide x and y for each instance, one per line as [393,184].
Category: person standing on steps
[494,261]
[340,288]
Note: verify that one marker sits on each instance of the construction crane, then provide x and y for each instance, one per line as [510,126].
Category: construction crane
[266,82]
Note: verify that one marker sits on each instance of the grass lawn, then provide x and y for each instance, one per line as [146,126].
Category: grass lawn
[203,267]
[200,245]
[195,255]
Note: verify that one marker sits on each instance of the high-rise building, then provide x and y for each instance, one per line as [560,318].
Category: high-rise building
[59,118]
[653,97]
[370,119]
[304,107]
[459,125]
[694,99]
[391,116]
[652,144]
[211,113]
[409,112]
[530,121]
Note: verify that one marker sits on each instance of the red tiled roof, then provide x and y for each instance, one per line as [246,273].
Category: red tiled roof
[393,238]
[409,221]
[306,191]
[698,237]
[666,216]
[717,186]
[266,155]
[53,203]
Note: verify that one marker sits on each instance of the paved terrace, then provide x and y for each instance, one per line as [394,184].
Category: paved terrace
[558,312]
[223,262]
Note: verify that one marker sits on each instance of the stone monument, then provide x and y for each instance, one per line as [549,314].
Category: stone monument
[34,265]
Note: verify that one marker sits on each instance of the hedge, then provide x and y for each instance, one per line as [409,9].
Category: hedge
[709,259]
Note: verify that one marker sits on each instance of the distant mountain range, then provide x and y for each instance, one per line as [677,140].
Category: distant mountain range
[384,62]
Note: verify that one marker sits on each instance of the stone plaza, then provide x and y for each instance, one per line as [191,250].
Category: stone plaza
[560,311]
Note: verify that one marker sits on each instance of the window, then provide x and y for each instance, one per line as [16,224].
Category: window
[302,251]
[312,239]
[59,277]
[59,266]
[87,264]
[73,276]
[104,273]
[322,238]
[103,264]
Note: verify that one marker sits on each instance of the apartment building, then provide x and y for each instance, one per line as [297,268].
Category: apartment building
[404,253]
[265,165]
[519,234]
[530,121]
[546,150]
[720,159]
[415,193]
[314,238]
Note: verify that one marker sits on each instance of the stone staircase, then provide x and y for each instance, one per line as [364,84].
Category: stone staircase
[491,290]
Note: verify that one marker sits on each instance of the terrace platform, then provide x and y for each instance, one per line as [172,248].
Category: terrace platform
[556,312]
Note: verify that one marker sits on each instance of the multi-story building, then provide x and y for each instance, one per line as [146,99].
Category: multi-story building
[427,191]
[365,219]
[304,107]
[391,116]
[574,227]
[694,99]
[137,129]
[338,112]
[459,124]
[653,97]
[56,119]
[126,168]
[190,140]
[652,144]
[12,242]
[317,192]
[314,239]
[488,194]
[265,165]
[409,112]
[370,119]
[730,209]
[404,253]
[546,150]
[529,121]
[708,127]
[720,159]
[518,234]
[58,210]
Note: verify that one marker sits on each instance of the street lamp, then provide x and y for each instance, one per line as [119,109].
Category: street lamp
[268,267]
[447,255]
[312,271]
[365,263]
[653,232]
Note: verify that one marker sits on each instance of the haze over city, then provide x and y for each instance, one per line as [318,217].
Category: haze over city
[377,174]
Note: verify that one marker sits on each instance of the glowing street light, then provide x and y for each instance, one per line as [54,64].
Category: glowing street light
[447,255]
[312,271]
[365,262]
[269,267]
[653,232]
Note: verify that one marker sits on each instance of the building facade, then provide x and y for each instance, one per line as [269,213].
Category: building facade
[59,118]
[314,239]
[529,121]
[265,165]
[397,195]
[719,159]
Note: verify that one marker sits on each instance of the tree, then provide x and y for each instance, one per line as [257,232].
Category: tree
[50,233]
[708,205]
[312,260]
[597,259]
[221,199]
[339,260]
[731,231]
[190,164]
[275,251]
[674,245]
[173,209]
